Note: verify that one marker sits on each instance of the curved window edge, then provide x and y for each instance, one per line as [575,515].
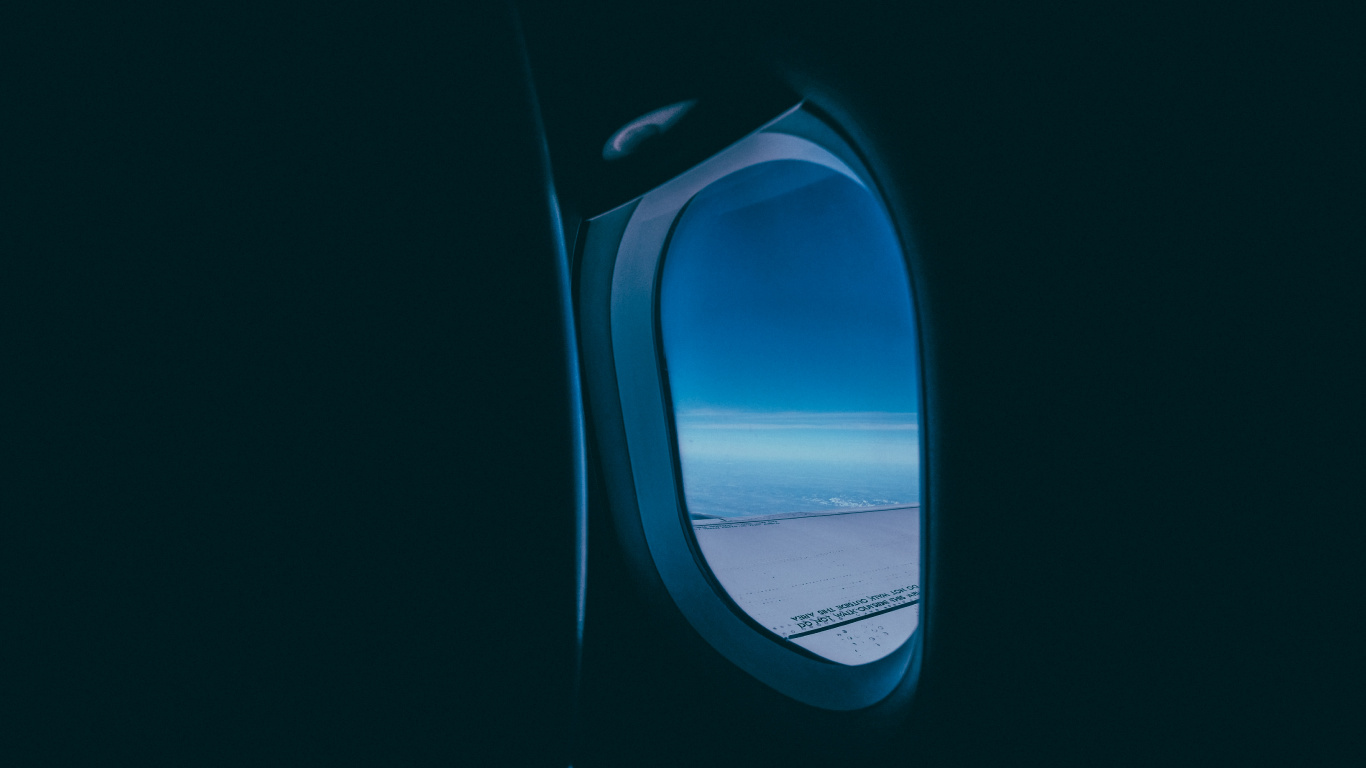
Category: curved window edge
[633,259]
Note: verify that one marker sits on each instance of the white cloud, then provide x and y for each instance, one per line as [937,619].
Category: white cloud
[859,421]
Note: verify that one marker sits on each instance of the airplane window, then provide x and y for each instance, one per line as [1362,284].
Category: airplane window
[789,342]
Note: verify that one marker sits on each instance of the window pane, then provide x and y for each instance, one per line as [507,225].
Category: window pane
[789,341]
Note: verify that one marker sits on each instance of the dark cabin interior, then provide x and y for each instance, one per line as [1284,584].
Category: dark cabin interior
[296,455]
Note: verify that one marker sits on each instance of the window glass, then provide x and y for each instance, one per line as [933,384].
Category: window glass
[789,343]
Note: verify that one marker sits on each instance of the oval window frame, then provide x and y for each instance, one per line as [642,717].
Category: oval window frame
[651,443]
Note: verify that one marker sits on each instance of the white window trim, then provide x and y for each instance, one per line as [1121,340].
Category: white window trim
[644,407]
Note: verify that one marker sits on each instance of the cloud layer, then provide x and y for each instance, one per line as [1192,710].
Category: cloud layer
[857,421]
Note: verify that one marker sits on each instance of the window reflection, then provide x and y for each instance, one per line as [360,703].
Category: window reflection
[789,341]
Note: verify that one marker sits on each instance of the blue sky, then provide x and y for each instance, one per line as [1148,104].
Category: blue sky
[784,290]
[787,324]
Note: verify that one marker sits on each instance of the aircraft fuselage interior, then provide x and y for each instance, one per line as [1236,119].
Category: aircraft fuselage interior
[696,385]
